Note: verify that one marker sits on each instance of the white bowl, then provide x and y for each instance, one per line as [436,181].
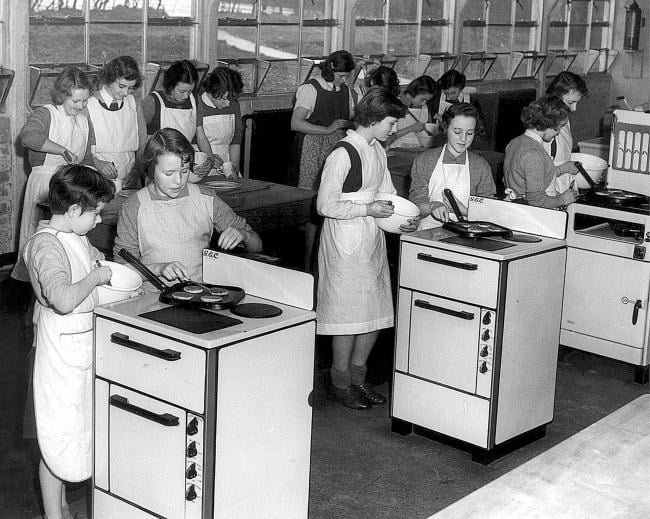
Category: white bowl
[404,210]
[124,283]
[594,166]
[200,158]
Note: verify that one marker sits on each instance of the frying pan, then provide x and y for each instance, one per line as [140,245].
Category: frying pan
[614,196]
[480,229]
[472,229]
[191,299]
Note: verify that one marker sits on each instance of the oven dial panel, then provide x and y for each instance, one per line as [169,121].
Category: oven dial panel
[194,466]
[485,353]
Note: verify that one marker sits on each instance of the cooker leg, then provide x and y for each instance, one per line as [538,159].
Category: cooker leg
[401,427]
[641,374]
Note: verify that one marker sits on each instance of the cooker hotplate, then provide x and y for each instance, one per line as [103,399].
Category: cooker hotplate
[640,206]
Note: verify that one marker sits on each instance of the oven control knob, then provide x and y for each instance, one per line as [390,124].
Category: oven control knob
[486,335]
[639,252]
[192,427]
[191,450]
[483,367]
[190,494]
[487,318]
[190,473]
[484,351]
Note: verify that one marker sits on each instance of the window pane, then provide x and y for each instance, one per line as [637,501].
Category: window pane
[403,11]
[168,43]
[315,41]
[523,39]
[472,10]
[579,11]
[558,12]
[236,42]
[524,10]
[281,77]
[556,37]
[600,12]
[401,39]
[597,34]
[287,11]
[110,41]
[500,11]
[240,10]
[278,42]
[406,68]
[498,39]
[373,9]
[431,39]
[432,10]
[368,40]
[170,9]
[472,39]
[317,9]
[501,67]
[41,49]
[115,11]
[577,37]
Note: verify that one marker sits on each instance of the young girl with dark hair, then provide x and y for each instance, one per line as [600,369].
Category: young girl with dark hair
[169,222]
[381,76]
[221,116]
[529,171]
[175,106]
[411,129]
[118,125]
[64,276]
[452,166]
[354,292]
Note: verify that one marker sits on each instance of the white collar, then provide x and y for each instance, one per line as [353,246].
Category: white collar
[106,97]
[534,136]
[360,139]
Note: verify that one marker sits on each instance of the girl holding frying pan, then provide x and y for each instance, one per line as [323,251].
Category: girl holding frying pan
[452,167]
[169,222]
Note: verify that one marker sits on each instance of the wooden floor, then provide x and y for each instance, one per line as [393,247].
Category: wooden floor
[602,471]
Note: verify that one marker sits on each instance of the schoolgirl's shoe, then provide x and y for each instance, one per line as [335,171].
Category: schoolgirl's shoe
[348,397]
[368,393]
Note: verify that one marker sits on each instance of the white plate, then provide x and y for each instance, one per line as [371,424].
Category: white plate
[222,184]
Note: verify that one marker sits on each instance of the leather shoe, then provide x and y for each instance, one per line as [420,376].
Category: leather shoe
[348,398]
[367,392]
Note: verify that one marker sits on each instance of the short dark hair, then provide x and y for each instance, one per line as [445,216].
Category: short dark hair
[377,104]
[566,81]
[68,80]
[224,80]
[458,109]
[76,184]
[182,71]
[166,140]
[121,67]
[452,78]
[338,61]
[422,85]
[383,76]
[544,113]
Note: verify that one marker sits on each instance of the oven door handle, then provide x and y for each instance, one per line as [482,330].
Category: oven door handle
[448,263]
[635,312]
[166,419]
[468,316]
[123,340]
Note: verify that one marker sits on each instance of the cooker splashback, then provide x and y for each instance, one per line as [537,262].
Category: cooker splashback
[629,164]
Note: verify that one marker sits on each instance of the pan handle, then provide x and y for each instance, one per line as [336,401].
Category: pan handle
[140,267]
[581,170]
[452,201]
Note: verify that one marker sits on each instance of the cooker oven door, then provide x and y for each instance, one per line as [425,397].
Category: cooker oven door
[146,442]
[444,341]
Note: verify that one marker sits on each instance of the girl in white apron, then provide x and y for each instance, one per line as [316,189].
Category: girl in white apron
[571,89]
[175,106]
[528,170]
[354,293]
[411,130]
[169,222]
[61,264]
[452,169]
[221,118]
[117,120]
[55,134]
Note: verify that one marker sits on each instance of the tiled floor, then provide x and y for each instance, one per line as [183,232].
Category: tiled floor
[359,469]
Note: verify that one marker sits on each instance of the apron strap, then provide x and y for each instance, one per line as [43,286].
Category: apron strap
[354,178]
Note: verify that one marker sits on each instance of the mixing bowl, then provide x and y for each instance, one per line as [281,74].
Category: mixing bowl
[404,210]
[594,166]
[124,283]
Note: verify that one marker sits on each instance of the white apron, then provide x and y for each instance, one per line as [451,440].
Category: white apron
[564,142]
[219,130]
[447,176]
[175,230]
[63,373]
[412,139]
[181,119]
[116,135]
[444,104]
[70,132]
[355,295]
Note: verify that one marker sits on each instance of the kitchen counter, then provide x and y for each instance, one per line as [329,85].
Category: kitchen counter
[600,472]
